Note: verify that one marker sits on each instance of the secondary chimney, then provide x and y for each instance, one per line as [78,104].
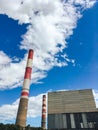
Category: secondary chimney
[23,105]
[43,122]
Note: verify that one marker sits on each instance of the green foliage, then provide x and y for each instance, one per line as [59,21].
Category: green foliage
[9,127]
[14,127]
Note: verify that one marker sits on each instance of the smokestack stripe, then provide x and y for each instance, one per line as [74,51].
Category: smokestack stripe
[31,53]
[44,118]
[44,113]
[29,63]
[28,73]
[44,105]
[26,84]
[44,110]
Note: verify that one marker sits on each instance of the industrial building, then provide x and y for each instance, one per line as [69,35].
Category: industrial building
[72,110]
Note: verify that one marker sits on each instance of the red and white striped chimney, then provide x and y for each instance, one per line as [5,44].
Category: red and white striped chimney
[43,122]
[23,105]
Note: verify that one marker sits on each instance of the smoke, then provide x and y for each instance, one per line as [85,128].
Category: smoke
[51,22]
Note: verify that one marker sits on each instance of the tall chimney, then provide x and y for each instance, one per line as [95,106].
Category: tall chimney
[43,122]
[23,105]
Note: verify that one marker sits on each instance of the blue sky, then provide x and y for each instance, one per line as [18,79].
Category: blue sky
[65,58]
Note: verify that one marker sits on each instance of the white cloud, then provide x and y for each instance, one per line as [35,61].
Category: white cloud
[4,59]
[85,4]
[51,23]
[95,93]
[11,74]
[8,112]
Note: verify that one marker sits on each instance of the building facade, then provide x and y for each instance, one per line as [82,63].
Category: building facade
[72,110]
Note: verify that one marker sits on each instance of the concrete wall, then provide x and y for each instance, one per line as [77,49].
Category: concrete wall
[71,101]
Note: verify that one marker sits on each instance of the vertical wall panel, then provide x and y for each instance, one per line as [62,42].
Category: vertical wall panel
[51,121]
[84,120]
[72,121]
[64,121]
[60,121]
[57,121]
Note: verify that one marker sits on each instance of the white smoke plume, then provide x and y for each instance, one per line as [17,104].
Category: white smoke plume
[51,22]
